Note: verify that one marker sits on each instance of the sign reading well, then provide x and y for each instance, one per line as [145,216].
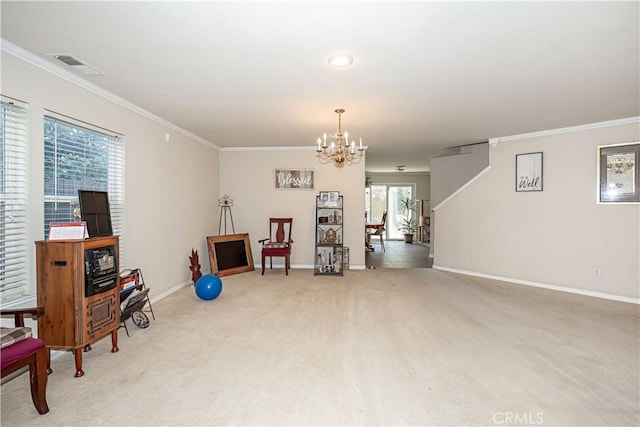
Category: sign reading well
[294,179]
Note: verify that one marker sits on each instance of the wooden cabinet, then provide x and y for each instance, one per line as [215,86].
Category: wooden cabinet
[79,297]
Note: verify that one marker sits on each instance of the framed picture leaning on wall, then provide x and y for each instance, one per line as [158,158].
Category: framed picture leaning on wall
[618,174]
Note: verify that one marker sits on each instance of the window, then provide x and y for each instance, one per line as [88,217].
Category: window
[386,198]
[13,200]
[81,158]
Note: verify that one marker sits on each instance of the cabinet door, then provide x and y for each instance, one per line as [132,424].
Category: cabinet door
[101,314]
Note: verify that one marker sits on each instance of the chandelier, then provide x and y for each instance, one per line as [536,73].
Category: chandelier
[339,152]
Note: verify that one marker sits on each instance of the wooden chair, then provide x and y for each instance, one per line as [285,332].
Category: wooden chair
[278,243]
[380,229]
[19,349]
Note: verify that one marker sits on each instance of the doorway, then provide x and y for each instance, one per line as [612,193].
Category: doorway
[386,197]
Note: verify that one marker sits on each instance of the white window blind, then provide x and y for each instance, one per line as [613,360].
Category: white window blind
[13,200]
[79,156]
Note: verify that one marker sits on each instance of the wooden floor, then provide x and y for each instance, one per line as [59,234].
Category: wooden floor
[398,254]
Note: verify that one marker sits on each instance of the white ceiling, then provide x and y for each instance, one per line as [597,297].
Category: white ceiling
[426,76]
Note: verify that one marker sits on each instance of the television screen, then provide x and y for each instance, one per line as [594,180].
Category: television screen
[94,209]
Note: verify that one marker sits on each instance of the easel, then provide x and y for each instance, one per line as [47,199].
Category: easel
[225,204]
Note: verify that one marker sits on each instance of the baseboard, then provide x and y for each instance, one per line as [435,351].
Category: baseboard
[307,266]
[585,292]
[169,291]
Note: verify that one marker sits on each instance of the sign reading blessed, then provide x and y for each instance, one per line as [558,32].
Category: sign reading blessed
[298,179]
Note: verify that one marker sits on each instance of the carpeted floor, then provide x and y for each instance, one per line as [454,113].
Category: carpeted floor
[375,347]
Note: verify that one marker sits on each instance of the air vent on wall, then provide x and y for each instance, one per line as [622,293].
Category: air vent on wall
[76,64]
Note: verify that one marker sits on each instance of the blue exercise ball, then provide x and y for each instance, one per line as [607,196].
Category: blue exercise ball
[208,287]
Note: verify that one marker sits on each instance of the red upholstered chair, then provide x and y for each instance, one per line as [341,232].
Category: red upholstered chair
[19,349]
[278,243]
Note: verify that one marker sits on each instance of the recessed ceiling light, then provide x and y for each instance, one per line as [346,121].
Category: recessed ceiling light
[340,60]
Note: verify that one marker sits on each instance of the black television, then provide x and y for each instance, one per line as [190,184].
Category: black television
[94,210]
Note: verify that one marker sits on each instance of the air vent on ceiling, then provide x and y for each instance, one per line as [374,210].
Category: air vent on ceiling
[76,64]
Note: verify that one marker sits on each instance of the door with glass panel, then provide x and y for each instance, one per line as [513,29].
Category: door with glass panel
[386,197]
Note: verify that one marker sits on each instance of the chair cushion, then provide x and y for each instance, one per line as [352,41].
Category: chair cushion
[20,350]
[276,245]
[11,336]
[276,251]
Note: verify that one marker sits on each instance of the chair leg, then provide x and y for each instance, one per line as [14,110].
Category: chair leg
[38,377]
[286,265]
[382,243]
[49,371]
[263,261]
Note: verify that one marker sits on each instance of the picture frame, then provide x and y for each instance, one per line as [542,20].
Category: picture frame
[529,169]
[329,199]
[294,179]
[618,173]
[230,254]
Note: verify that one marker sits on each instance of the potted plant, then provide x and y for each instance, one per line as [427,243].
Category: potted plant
[408,225]
[368,181]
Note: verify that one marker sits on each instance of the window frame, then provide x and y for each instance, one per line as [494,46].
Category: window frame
[115,168]
[14,190]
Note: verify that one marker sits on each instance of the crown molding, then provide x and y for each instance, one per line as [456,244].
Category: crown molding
[303,148]
[60,72]
[589,126]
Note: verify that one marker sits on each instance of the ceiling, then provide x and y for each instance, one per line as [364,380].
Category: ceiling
[426,75]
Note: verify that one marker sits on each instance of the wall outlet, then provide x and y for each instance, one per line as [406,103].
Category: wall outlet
[596,272]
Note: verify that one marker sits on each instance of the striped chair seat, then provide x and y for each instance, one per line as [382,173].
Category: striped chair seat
[11,336]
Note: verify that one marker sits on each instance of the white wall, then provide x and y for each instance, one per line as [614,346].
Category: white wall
[555,237]
[449,173]
[247,176]
[171,188]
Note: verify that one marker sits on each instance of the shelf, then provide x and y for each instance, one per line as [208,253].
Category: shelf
[329,239]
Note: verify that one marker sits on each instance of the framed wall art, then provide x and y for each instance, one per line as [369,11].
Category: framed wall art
[329,199]
[529,172]
[618,174]
[294,179]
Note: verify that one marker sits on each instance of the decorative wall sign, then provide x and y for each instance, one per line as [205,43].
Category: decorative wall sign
[529,172]
[618,173]
[296,179]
